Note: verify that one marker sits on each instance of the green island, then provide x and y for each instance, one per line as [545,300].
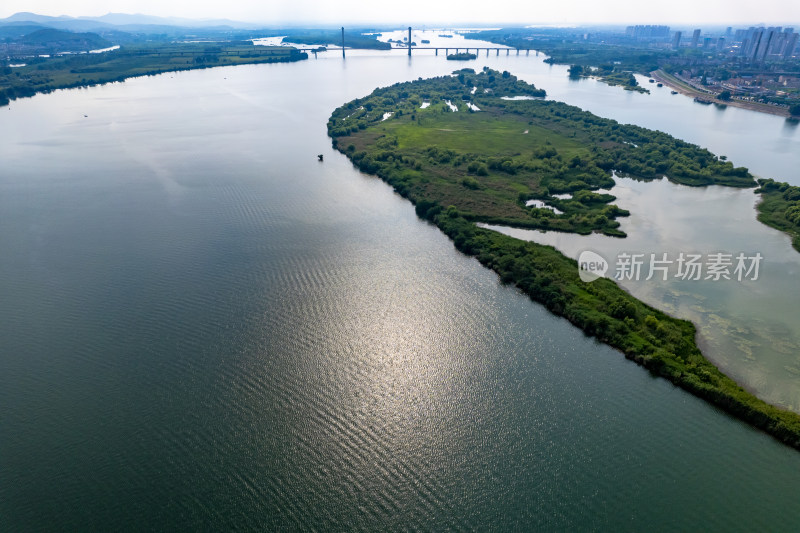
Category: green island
[780,208]
[461,56]
[45,74]
[608,74]
[460,168]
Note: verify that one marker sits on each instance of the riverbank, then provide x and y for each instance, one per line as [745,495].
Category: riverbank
[779,208]
[443,176]
[46,74]
[687,90]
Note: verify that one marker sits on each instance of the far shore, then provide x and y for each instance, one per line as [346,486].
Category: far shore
[687,90]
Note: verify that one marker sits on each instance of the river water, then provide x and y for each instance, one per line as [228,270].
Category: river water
[203,327]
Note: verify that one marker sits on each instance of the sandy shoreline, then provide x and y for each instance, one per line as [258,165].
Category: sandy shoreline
[687,91]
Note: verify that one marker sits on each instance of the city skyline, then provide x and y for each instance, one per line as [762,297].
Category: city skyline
[568,12]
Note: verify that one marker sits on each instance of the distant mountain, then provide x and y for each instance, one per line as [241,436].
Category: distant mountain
[122,20]
[49,40]
[15,31]
[26,16]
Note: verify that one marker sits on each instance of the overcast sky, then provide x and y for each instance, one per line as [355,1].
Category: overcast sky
[401,12]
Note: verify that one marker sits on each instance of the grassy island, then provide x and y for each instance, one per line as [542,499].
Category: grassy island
[46,74]
[607,74]
[780,208]
[505,146]
[461,56]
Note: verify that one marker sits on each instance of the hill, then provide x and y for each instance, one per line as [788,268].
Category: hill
[64,39]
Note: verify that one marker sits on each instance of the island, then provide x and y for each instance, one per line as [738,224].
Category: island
[488,148]
[607,74]
[461,56]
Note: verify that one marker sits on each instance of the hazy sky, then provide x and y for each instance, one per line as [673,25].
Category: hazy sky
[673,12]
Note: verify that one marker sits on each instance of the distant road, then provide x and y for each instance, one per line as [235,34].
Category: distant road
[684,88]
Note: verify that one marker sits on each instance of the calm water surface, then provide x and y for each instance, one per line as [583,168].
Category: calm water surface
[202,327]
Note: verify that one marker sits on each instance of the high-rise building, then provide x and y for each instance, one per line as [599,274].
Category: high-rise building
[676,41]
[647,32]
[721,44]
[766,43]
[755,43]
[695,38]
[790,45]
[745,46]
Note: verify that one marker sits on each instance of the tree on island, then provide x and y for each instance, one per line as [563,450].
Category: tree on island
[575,71]
[794,110]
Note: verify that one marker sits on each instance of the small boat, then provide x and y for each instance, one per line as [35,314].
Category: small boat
[651,80]
[321,157]
[659,84]
[673,92]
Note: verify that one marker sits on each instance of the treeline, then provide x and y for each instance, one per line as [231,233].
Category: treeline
[395,151]
[43,75]
[461,56]
[780,208]
[607,73]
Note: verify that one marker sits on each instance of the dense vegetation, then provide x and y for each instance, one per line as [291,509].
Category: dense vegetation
[324,37]
[466,166]
[780,208]
[489,163]
[610,75]
[461,56]
[43,75]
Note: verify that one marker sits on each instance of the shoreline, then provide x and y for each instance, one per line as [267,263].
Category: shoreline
[686,90]
[127,63]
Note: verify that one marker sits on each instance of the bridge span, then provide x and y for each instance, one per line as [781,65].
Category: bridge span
[410,46]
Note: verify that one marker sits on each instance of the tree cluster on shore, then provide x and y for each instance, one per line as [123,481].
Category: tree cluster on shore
[46,74]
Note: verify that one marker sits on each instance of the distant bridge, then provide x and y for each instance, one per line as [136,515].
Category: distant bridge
[410,47]
[447,50]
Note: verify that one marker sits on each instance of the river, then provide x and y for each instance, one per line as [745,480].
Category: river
[204,327]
